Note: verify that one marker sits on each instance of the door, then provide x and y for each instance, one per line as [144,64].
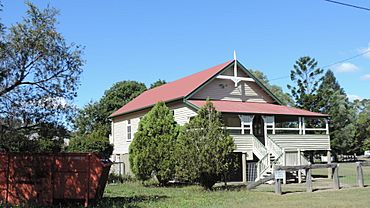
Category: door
[258,128]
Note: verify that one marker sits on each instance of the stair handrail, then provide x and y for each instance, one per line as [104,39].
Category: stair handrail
[278,159]
[260,150]
[273,147]
[259,147]
[262,165]
[304,160]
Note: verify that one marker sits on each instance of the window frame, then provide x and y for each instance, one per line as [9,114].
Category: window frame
[129,131]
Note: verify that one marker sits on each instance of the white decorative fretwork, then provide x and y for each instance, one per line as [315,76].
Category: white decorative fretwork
[246,122]
[269,123]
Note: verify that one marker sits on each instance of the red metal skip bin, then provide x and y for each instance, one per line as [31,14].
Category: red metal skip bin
[43,179]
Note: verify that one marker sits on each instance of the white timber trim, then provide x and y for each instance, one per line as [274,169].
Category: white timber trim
[244,167]
[129,130]
[288,129]
[299,163]
[235,78]
[269,123]
[316,129]
[327,125]
[111,135]
[246,123]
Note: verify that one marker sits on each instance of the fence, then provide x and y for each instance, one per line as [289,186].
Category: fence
[279,174]
[360,166]
[341,175]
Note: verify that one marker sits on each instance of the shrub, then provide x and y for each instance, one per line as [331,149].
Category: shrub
[94,142]
[204,150]
[152,149]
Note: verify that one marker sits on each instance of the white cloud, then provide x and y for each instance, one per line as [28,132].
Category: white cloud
[346,67]
[364,50]
[354,97]
[365,77]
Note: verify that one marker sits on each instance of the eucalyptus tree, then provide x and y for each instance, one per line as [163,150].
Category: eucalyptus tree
[39,74]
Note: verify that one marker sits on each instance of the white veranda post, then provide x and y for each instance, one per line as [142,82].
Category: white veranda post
[269,124]
[246,122]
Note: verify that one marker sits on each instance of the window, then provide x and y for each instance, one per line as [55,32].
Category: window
[128,130]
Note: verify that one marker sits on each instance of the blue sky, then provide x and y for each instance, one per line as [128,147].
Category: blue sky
[151,40]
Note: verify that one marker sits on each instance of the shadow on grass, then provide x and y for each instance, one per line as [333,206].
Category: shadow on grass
[322,189]
[128,201]
[320,176]
[109,202]
[292,192]
[233,187]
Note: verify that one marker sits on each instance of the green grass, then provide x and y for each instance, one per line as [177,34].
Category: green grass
[133,194]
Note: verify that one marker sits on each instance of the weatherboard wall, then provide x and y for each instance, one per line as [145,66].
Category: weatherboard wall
[244,143]
[119,131]
[303,142]
[181,112]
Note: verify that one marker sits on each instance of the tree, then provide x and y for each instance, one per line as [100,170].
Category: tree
[305,75]
[332,100]
[95,114]
[204,148]
[362,137]
[285,98]
[39,74]
[48,138]
[157,83]
[89,118]
[121,93]
[95,142]
[152,149]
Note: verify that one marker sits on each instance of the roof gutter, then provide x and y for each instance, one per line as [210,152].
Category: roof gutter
[143,108]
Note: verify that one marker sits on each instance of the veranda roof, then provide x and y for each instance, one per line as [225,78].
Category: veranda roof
[256,108]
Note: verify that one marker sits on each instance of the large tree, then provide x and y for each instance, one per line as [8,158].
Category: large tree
[204,150]
[285,98]
[306,78]
[95,114]
[39,74]
[157,83]
[362,137]
[152,150]
[332,100]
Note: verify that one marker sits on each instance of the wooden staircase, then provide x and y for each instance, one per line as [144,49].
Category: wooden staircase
[270,155]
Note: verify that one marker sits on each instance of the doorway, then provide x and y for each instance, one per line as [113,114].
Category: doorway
[259,128]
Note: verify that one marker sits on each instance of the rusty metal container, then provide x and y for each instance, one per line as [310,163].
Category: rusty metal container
[44,179]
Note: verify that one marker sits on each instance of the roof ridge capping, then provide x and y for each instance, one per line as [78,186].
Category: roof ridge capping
[171,91]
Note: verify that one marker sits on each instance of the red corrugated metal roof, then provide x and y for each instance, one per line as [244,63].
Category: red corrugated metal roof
[170,91]
[256,108]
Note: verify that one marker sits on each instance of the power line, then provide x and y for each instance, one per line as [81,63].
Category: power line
[332,64]
[349,5]
[347,59]
[279,78]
